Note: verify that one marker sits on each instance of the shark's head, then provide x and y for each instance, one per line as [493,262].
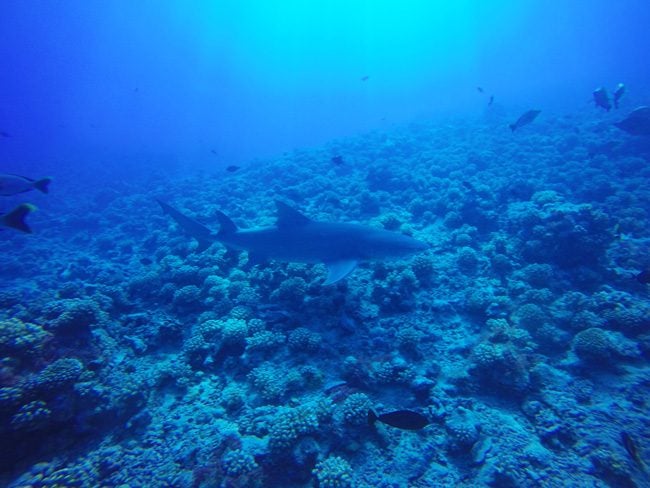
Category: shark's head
[391,245]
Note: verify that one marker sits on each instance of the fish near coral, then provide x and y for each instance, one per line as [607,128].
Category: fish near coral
[601,99]
[15,219]
[525,119]
[618,93]
[14,184]
[637,122]
[296,238]
[400,419]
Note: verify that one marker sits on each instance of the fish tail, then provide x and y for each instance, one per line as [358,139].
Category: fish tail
[43,184]
[16,218]
[512,127]
[372,417]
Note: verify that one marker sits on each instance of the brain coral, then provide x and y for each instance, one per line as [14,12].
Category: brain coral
[302,339]
[291,424]
[354,410]
[238,462]
[334,472]
[21,338]
[31,416]
[594,346]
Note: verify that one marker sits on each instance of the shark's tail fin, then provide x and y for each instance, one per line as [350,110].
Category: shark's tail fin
[16,218]
[227,225]
[43,184]
[194,229]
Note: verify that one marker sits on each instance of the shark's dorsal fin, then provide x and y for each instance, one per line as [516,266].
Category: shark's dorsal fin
[338,270]
[227,226]
[289,217]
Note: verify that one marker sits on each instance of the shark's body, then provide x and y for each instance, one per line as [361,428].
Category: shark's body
[296,238]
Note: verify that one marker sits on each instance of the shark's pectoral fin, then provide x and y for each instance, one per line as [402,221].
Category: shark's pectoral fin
[338,270]
[202,245]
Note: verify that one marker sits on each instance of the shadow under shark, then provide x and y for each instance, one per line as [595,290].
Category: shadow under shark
[297,238]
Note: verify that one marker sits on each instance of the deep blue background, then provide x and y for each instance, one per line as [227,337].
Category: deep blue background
[170,82]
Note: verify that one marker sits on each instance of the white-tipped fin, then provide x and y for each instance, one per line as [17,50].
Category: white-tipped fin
[338,270]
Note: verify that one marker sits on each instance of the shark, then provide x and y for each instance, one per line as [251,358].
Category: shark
[297,238]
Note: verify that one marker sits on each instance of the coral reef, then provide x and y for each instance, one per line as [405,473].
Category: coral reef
[131,357]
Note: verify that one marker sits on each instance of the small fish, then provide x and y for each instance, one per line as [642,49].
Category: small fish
[4,134]
[337,160]
[401,419]
[214,152]
[633,451]
[232,168]
[601,99]
[146,261]
[525,119]
[643,277]
[14,184]
[618,93]
[468,186]
[365,78]
[491,100]
[480,90]
[15,219]
[637,122]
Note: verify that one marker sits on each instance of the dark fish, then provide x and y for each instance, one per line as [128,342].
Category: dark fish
[401,419]
[232,168]
[468,185]
[14,184]
[365,78]
[213,152]
[637,123]
[146,261]
[601,99]
[633,451]
[479,89]
[525,119]
[491,100]
[644,276]
[337,160]
[618,93]
[15,219]
[4,134]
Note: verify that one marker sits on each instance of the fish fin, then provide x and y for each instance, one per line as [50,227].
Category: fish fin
[338,270]
[42,185]
[289,217]
[190,226]
[512,127]
[16,218]
[372,417]
[202,245]
[227,226]
[20,176]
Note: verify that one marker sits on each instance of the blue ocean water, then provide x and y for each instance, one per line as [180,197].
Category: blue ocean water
[136,349]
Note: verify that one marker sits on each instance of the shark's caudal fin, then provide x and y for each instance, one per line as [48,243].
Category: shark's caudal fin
[289,217]
[202,234]
[16,218]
